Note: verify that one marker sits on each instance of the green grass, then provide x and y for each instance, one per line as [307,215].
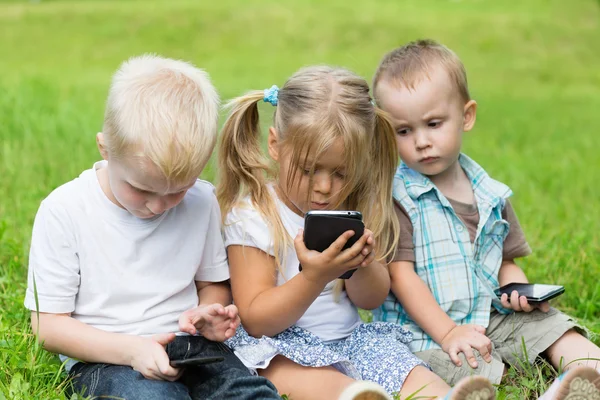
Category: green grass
[534,68]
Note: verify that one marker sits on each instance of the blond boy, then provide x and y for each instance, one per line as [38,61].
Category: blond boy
[460,234]
[130,253]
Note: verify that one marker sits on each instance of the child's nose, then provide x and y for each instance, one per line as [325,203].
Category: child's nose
[322,184]
[157,205]
[422,140]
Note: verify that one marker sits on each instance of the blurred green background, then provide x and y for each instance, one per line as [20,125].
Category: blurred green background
[533,67]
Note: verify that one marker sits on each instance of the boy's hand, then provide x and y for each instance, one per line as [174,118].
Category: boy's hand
[215,322]
[462,338]
[520,304]
[330,264]
[151,360]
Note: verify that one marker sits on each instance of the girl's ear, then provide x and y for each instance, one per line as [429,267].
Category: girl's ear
[470,114]
[273,144]
[101,145]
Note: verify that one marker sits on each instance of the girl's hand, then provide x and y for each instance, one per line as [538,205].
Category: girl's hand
[368,250]
[148,356]
[330,264]
[520,303]
[215,322]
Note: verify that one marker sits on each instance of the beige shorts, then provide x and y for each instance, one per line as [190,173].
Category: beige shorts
[536,330]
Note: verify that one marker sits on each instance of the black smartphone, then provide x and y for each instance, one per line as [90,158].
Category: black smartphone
[534,292]
[197,361]
[322,228]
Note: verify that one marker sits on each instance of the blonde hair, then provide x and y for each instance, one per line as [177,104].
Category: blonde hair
[165,110]
[406,65]
[316,106]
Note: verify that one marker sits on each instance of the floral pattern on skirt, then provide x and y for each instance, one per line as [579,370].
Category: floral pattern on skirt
[375,352]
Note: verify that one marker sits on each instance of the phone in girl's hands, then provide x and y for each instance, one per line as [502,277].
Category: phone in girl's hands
[322,228]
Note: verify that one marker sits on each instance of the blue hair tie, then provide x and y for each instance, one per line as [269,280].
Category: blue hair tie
[271,95]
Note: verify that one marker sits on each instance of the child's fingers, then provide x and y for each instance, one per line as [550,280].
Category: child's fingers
[336,247]
[514,301]
[165,370]
[469,355]
[355,262]
[232,311]
[544,307]
[453,353]
[484,347]
[367,261]
[187,327]
[479,329]
[354,251]
[299,242]
[505,301]
[524,304]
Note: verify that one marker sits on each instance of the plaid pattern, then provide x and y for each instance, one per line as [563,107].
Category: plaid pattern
[462,276]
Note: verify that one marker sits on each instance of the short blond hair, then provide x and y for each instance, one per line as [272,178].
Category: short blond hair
[163,110]
[407,65]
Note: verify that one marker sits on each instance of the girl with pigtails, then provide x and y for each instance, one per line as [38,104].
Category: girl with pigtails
[330,148]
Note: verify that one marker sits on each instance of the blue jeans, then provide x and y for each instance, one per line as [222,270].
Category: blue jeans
[229,379]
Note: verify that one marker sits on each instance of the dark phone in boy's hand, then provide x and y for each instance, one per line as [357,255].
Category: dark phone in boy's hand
[194,362]
[535,293]
[322,228]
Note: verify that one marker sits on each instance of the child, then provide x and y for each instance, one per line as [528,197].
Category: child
[131,251]
[332,149]
[461,234]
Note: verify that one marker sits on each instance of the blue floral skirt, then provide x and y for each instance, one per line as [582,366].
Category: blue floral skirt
[376,352]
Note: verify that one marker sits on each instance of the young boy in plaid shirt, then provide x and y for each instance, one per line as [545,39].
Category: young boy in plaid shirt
[460,238]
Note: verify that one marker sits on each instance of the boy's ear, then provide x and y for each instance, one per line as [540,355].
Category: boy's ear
[273,144]
[470,115]
[101,146]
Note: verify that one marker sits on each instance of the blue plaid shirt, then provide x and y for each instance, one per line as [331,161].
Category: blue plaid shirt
[461,275]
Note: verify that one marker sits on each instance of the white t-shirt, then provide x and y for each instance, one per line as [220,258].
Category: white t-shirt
[117,272]
[326,318]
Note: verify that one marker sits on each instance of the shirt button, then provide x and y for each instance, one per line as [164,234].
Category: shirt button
[459,228]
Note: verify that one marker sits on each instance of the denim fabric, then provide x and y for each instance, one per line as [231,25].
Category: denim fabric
[229,379]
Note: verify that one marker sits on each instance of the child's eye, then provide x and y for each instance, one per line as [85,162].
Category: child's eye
[305,171]
[434,124]
[341,175]
[402,131]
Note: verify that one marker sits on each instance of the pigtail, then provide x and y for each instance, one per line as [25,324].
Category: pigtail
[242,166]
[244,170]
[385,225]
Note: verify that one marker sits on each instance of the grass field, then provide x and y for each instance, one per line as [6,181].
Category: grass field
[534,67]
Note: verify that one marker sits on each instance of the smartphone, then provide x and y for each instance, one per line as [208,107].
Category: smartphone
[535,293]
[197,361]
[322,228]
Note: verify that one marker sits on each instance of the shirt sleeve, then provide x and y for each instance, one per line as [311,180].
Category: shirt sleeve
[214,266]
[53,262]
[515,244]
[405,251]
[244,226]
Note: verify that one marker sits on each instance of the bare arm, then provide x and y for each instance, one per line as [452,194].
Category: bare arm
[418,301]
[511,272]
[213,292]
[63,334]
[369,286]
[264,307]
